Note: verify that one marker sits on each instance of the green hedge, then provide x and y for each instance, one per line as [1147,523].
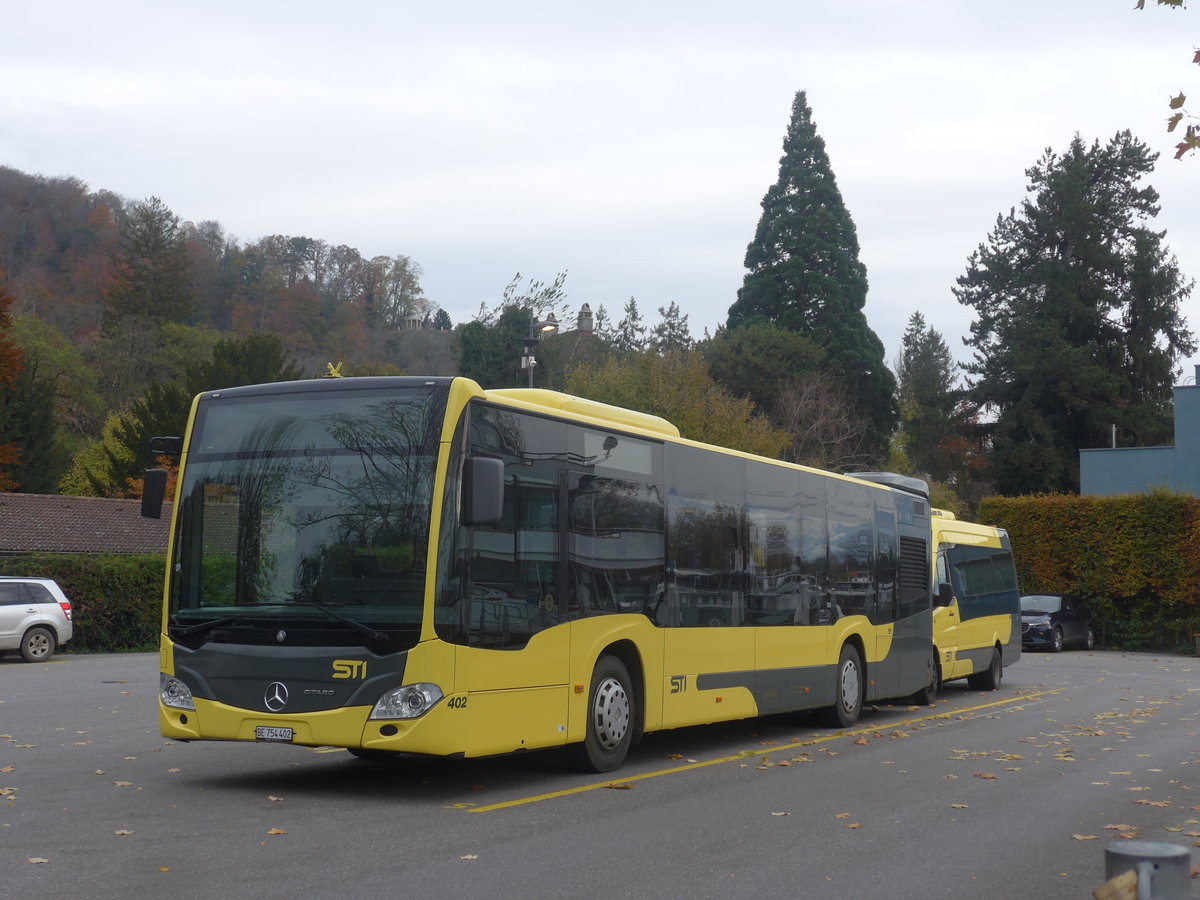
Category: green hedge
[1135,560]
[116,600]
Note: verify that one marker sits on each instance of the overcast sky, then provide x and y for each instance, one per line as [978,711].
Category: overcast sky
[628,144]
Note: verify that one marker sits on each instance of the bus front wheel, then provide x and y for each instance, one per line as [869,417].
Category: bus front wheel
[610,719]
[926,695]
[848,691]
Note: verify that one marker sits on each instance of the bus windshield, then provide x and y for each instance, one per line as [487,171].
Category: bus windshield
[305,509]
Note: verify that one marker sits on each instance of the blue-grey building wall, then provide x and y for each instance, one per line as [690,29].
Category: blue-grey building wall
[1135,470]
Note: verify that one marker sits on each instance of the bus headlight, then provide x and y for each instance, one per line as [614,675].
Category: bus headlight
[408,702]
[174,693]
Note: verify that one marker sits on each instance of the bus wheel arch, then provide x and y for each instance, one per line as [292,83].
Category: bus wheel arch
[614,710]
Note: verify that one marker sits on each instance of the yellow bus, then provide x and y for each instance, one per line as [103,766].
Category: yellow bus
[417,565]
[977,614]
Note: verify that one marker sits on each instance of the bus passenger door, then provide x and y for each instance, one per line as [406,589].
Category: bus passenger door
[945,631]
[513,668]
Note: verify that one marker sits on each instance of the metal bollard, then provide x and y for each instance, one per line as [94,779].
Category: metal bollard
[1163,870]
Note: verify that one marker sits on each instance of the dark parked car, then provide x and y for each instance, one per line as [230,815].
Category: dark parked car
[1052,621]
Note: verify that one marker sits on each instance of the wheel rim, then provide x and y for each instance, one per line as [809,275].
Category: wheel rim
[851,687]
[1058,639]
[611,713]
[38,645]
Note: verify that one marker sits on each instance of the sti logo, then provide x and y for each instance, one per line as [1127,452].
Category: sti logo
[350,668]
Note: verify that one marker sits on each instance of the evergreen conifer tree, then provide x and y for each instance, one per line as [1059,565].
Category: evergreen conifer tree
[630,335]
[151,267]
[926,388]
[672,333]
[1078,325]
[804,274]
[12,361]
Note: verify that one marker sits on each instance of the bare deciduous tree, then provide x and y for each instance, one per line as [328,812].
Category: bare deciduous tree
[825,430]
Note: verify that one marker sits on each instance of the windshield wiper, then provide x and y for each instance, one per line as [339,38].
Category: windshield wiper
[185,631]
[378,639]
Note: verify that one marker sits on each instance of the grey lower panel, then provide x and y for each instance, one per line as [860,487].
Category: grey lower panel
[778,690]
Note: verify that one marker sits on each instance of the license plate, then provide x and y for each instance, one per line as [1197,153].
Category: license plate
[270,733]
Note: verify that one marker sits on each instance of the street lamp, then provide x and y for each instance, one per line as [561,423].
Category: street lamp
[536,327]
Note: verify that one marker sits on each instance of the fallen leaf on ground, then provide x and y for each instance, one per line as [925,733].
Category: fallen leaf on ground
[277,831]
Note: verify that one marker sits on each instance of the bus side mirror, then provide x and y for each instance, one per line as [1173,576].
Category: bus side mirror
[154,488]
[483,491]
[945,594]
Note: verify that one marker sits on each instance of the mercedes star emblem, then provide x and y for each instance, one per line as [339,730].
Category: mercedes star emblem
[276,696]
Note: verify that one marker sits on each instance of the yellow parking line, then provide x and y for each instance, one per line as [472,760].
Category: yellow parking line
[750,754]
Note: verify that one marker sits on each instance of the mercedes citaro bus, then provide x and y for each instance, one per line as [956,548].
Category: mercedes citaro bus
[417,565]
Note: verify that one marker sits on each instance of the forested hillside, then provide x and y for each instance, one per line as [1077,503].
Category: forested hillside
[82,261]
[112,302]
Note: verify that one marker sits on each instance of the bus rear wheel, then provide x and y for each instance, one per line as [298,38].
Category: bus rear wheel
[989,679]
[848,691]
[610,719]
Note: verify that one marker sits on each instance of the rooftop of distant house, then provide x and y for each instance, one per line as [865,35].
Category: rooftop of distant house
[51,523]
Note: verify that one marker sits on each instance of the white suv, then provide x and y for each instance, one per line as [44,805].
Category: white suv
[35,617]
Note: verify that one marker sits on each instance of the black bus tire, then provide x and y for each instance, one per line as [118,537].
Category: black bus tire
[610,725]
[848,690]
[989,679]
[926,695]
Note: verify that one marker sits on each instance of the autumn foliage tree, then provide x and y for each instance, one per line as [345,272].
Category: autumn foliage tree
[1191,132]
[677,387]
